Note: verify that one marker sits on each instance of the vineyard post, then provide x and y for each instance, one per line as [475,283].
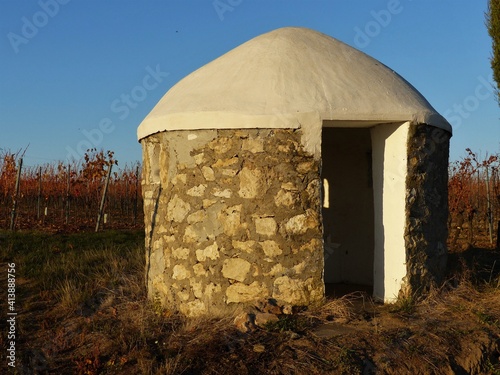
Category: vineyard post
[488,205]
[39,197]
[101,208]
[497,201]
[494,175]
[68,185]
[14,198]
[494,184]
[478,187]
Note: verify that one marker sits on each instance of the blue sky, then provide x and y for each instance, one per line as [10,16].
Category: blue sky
[75,73]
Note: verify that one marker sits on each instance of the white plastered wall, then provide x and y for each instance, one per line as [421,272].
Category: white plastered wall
[389,155]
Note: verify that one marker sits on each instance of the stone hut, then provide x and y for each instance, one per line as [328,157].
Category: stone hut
[292,162]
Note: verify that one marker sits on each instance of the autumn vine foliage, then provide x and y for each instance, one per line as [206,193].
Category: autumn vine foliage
[67,196]
[96,164]
[7,173]
[61,196]
[473,196]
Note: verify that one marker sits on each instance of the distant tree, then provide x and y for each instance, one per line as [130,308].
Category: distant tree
[493,24]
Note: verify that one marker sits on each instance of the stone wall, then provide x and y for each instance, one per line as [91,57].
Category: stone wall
[231,216]
[426,208]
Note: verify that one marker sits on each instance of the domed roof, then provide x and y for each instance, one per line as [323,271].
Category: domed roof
[289,78]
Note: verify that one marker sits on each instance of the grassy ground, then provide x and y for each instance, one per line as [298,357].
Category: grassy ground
[82,310]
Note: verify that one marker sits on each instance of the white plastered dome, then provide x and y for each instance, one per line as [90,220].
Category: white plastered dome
[290,78]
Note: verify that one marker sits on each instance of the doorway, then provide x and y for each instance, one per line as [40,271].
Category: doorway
[348,209]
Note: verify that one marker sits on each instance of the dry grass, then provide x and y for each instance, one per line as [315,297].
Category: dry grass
[84,311]
[340,308]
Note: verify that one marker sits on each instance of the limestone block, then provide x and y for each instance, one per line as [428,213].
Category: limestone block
[181,177]
[229,172]
[299,268]
[230,219]
[199,270]
[211,252]
[316,289]
[197,191]
[208,202]
[296,225]
[263,318]
[284,198]
[315,245]
[245,322]
[269,305]
[197,217]
[180,253]
[266,226]
[290,186]
[199,158]
[158,244]
[239,292]
[251,183]
[313,190]
[193,309]
[236,269]
[299,224]
[290,291]
[157,262]
[197,288]
[287,309]
[221,163]
[183,295]
[167,262]
[169,239]
[285,149]
[177,209]
[246,246]
[276,270]
[161,288]
[253,145]
[190,235]
[241,134]
[208,173]
[226,181]
[212,289]
[270,248]
[221,145]
[180,272]
[256,271]
[305,167]
[226,193]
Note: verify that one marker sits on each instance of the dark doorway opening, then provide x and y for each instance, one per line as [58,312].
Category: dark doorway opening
[348,210]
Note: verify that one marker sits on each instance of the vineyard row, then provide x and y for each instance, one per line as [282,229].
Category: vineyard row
[69,197]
